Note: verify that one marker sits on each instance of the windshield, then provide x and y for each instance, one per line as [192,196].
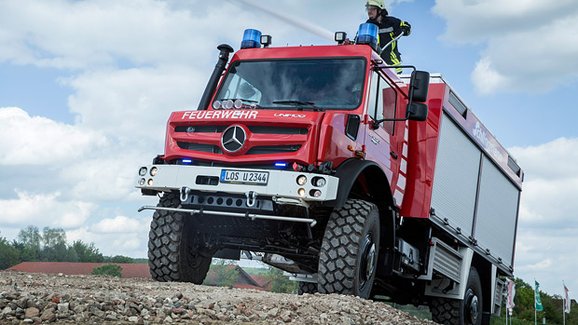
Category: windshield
[300,84]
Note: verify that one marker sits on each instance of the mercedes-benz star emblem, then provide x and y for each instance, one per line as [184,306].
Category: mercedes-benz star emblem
[233,138]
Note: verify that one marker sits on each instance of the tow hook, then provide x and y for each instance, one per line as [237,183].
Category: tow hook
[251,198]
[185,191]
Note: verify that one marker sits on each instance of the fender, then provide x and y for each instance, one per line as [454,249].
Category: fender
[351,170]
[379,192]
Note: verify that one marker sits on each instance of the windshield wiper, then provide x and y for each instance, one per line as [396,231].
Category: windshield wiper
[301,104]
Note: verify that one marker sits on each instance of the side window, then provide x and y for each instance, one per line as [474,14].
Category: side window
[382,102]
[372,105]
[388,97]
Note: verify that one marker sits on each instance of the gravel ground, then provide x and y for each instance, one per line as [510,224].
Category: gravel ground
[40,298]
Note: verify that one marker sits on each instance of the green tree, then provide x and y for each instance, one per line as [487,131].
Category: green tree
[523,313]
[108,270]
[280,282]
[54,245]
[29,240]
[224,272]
[85,252]
[118,259]
[9,255]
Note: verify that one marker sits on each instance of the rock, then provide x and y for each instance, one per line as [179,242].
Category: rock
[7,310]
[31,312]
[63,307]
[273,312]
[111,316]
[286,316]
[48,315]
[95,300]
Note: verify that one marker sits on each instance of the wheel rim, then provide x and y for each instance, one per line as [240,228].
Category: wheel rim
[368,261]
[472,307]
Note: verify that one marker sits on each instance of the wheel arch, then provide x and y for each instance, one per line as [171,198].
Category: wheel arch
[355,176]
[484,268]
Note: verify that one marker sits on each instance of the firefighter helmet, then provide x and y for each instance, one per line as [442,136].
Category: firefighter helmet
[375,3]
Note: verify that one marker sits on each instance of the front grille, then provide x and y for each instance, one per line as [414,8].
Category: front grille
[201,128]
[276,130]
[199,147]
[273,149]
[185,136]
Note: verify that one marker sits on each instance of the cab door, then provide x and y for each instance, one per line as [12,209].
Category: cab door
[384,144]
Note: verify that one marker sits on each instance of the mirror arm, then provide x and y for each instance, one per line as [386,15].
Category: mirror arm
[375,124]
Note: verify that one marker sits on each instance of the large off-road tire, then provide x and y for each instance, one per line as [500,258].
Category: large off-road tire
[349,251]
[172,256]
[307,287]
[461,312]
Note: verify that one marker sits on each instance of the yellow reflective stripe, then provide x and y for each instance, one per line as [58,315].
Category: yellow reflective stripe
[394,59]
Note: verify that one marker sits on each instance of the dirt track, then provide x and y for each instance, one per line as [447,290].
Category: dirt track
[39,298]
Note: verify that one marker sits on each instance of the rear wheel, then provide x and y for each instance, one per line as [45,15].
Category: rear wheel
[173,254]
[307,287]
[467,311]
[348,256]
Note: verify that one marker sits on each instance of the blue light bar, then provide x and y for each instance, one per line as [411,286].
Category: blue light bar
[187,161]
[280,164]
[251,39]
[367,34]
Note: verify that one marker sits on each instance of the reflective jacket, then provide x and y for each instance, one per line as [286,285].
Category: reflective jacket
[389,28]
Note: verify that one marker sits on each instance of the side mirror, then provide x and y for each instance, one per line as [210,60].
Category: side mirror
[419,85]
[417,112]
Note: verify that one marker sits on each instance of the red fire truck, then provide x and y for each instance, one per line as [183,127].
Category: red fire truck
[323,162]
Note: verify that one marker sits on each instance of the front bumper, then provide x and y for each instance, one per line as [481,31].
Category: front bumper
[281,185]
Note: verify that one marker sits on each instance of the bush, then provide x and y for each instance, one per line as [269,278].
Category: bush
[108,270]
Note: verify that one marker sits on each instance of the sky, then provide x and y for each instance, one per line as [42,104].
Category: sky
[86,87]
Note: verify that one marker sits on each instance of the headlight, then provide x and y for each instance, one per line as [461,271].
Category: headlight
[154,171]
[142,171]
[315,193]
[301,180]
[150,182]
[319,181]
[141,182]
[301,192]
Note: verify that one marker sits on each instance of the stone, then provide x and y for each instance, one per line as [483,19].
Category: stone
[31,312]
[48,315]
[63,307]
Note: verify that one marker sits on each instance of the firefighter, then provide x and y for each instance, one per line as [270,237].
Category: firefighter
[389,28]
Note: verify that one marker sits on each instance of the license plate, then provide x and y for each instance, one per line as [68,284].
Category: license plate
[244,177]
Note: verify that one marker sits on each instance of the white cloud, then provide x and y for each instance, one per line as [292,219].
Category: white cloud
[44,210]
[551,177]
[134,104]
[35,140]
[486,78]
[548,227]
[530,45]
[128,243]
[119,224]
[83,34]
